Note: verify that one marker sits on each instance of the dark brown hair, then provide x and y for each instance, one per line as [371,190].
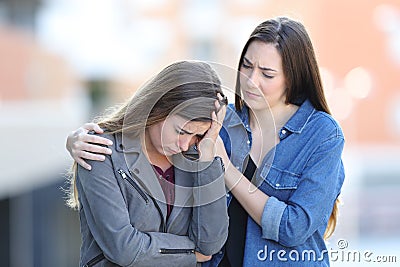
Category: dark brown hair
[299,64]
[300,68]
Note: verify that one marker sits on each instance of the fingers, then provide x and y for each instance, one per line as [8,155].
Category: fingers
[91,126]
[80,156]
[89,138]
[202,258]
[218,117]
[220,107]
[90,156]
[216,122]
[83,163]
[83,146]
[222,99]
[81,150]
[221,114]
[93,148]
[206,145]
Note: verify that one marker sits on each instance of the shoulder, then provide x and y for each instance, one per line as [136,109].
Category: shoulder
[233,116]
[325,124]
[230,111]
[313,123]
[99,166]
[106,134]
[120,143]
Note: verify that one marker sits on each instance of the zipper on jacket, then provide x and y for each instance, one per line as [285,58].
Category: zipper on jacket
[176,251]
[132,183]
[163,225]
[95,260]
[126,177]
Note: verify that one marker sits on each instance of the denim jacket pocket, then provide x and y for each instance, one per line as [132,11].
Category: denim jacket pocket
[281,180]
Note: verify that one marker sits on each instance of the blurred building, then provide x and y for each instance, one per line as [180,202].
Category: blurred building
[63,61]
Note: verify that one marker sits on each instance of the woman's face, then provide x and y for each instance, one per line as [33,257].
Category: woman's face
[264,80]
[176,134]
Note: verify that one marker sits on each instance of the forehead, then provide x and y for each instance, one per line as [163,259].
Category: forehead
[264,55]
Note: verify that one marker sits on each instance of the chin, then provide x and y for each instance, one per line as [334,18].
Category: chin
[256,105]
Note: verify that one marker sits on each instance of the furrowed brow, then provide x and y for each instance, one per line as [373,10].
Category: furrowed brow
[247,61]
[266,69]
[183,130]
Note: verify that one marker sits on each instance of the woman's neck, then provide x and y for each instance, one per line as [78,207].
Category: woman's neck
[155,157]
[276,116]
[265,125]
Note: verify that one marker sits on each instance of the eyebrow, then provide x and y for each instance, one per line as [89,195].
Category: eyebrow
[187,132]
[183,130]
[261,68]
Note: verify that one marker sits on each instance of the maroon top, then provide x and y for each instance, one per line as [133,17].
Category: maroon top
[167,182]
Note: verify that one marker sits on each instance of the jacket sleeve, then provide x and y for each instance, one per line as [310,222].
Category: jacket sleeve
[209,226]
[108,221]
[291,223]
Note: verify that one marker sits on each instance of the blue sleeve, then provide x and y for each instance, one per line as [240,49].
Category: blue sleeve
[225,138]
[291,223]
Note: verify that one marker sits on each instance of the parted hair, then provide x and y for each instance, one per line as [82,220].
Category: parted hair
[185,88]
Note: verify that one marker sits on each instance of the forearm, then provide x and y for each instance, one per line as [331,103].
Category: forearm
[250,197]
[209,227]
[164,249]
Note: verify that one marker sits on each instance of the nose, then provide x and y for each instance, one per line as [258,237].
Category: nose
[186,141]
[253,80]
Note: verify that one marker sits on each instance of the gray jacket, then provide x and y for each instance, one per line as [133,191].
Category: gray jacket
[123,210]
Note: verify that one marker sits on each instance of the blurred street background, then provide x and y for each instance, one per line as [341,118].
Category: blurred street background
[63,61]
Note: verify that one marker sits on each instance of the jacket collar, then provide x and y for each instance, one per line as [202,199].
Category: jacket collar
[126,144]
[130,151]
[299,120]
[142,171]
[235,117]
[295,124]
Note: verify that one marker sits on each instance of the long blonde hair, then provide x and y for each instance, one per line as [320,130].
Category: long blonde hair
[186,88]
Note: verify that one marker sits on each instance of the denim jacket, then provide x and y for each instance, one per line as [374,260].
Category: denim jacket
[302,176]
[123,210]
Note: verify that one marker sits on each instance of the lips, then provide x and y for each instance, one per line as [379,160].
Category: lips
[250,94]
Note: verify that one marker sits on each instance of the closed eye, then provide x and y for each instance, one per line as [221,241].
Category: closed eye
[180,132]
[244,65]
[267,76]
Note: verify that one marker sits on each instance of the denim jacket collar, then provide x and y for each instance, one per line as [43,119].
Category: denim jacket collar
[242,117]
[299,120]
[295,124]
